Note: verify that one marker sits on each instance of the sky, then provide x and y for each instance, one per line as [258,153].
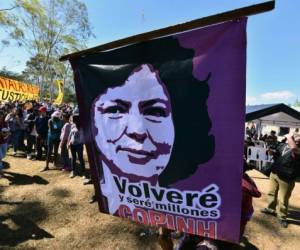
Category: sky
[273,38]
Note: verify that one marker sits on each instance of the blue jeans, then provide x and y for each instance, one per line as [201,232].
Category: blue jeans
[16,138]
[77,150]
[65,155]
[3,150]
[52,144]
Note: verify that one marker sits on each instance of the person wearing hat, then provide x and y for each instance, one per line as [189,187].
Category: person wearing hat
[55,125]
[41,125]
[284,171]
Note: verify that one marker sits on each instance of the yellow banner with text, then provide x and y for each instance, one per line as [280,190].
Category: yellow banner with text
[13,90]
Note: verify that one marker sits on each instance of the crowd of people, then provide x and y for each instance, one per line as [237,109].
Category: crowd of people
[283,171]
[43,131]
[47,132]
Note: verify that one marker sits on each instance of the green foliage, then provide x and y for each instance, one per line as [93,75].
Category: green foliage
[10,74]
[297,103]
[69,95]
[7,20]
[46,29]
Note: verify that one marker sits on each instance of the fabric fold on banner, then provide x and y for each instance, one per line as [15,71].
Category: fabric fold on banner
[164,123]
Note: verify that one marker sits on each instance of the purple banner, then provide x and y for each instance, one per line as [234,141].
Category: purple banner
[164,123]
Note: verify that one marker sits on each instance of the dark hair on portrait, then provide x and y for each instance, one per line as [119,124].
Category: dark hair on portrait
[193,145]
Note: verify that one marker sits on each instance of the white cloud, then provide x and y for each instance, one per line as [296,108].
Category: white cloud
[284,96]
[250,100]
[277,95]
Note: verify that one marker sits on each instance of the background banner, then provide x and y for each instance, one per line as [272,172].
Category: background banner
[12,90]
[164,123]
[60,95]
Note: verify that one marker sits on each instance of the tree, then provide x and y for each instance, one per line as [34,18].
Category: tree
[69,95]
[48,29]
[6,20]
[297,103]
[11,75]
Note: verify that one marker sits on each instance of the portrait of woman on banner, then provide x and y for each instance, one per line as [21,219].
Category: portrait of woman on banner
[149,118]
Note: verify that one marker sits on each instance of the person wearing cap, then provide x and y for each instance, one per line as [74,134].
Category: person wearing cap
[41,125]
[284,171]
[55,125]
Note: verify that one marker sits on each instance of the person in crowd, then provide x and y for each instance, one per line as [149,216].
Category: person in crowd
[30,132]
[55,125]
[75,143]
[22,113]
[249,190]
[264,137]
[41,125]
[165,239]
[65,132]
[252,130]
[284,171]
[4,133]
[271,140]
[16,125]
[273,135]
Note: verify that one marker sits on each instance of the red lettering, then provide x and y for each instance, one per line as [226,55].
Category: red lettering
[208,229]
[187,226]
[11,85]
[170,222]
[140,216]
[124,212]
[2,83]
[156,218]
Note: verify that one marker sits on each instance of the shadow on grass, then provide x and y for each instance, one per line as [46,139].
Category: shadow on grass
[11,203]
[6,165]
[20,225]
[294,215]
[23,179]
[245,245]
[60,193]
[18,155]
[267,221]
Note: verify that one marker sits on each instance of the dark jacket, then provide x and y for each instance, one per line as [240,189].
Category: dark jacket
[286,165]
[29,122]
[41,125]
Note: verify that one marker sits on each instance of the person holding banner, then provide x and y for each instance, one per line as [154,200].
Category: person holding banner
[147,126]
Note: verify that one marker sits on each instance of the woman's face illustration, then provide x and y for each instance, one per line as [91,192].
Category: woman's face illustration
[135,131]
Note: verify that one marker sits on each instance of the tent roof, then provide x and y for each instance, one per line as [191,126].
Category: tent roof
[276,114]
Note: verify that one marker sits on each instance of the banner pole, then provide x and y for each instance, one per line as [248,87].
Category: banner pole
[205,21]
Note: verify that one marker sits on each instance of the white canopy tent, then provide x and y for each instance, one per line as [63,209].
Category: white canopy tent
[279,115]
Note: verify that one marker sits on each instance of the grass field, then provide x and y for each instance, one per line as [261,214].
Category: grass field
[51,211]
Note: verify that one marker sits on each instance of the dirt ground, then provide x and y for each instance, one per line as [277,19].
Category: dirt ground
[51,211]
